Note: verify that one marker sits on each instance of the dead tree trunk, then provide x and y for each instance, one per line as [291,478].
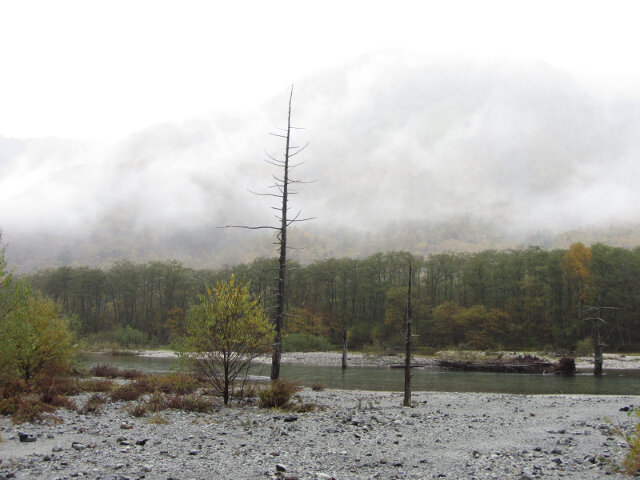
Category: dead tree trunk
[282,185]
[282,259]
[344,349]
[407,347]
[597,355]
[594,315]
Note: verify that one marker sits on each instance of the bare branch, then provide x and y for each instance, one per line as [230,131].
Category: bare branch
[264,194]
[299,151]
[268,227]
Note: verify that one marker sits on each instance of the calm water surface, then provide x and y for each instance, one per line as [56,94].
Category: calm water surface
[614,382]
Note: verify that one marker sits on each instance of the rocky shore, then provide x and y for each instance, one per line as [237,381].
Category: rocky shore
[356,435]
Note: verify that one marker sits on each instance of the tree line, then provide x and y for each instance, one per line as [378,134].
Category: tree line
[512,299]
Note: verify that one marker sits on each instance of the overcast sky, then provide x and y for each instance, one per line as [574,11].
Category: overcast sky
[103,69]
[154,112]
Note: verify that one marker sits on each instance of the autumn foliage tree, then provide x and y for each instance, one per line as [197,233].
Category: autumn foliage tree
[226,331]
[34,334]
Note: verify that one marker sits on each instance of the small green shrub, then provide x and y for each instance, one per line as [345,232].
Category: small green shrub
[277,394]
[299,342]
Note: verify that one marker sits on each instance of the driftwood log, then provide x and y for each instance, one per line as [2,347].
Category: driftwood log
[525,364]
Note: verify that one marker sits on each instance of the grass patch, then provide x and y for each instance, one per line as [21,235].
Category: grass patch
[317,387]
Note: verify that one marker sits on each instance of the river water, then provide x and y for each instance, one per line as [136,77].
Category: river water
[613,382]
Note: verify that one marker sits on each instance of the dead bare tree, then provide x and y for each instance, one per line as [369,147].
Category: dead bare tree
[594,315]
[407,346]
[282,186]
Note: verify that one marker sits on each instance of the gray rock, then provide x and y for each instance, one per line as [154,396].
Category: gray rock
[27,437]
[280,468]
[78,446]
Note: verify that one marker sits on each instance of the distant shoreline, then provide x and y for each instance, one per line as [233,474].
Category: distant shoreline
[612,361]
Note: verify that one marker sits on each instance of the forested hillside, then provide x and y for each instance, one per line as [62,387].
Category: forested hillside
[514,299]
[208,247]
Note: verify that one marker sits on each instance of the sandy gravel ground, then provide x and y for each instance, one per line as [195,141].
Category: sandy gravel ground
[358,435]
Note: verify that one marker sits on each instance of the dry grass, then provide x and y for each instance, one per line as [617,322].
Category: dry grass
[127,392]
[93,404]
[175,383]
[50,386]
[158,419]
[96,385]
[278,394]
[138,410]
[189,403]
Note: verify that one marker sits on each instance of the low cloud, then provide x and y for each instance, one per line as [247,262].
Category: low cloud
[522,146]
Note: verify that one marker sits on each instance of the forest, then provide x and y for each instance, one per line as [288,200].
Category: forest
[511,299]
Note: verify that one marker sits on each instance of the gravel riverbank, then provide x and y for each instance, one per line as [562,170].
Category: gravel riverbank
[612,361]
[359,435]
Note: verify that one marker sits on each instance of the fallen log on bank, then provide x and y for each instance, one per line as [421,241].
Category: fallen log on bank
[522,364]
[413,365]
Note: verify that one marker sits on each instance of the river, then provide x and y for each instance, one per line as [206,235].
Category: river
[613,382]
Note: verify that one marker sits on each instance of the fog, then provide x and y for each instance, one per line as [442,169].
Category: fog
[521,147]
